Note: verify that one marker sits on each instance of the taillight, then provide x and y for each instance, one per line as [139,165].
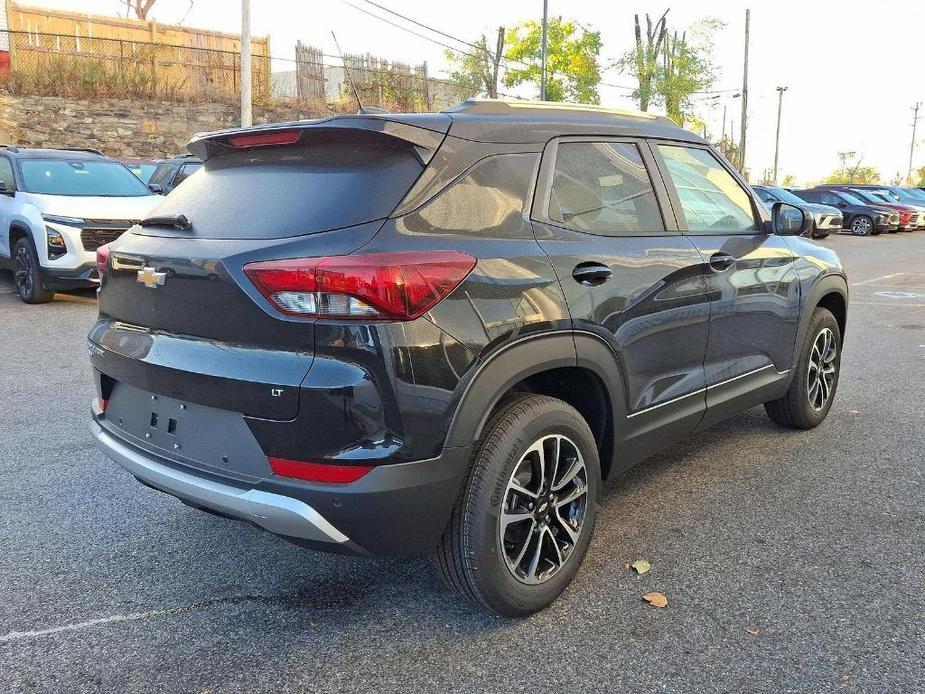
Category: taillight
[376,286]
[317,472]
[102,259]
[274,137]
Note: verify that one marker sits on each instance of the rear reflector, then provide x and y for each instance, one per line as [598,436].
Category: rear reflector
[275,137]
[376,286]
[102,258]
[317,472]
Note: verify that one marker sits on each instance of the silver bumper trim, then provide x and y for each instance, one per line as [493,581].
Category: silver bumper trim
[279,514]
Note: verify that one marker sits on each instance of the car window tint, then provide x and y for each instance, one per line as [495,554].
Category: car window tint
[489,200]
[6,173]
[712,200]
[765,195]
[603,188]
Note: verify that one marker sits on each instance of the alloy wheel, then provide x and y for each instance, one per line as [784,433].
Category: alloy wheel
[543,509]
[23,272]
[820,376]
[861,226]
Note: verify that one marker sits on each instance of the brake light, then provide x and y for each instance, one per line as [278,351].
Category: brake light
[317,472]
[376,286]
[102,259]
[274,137]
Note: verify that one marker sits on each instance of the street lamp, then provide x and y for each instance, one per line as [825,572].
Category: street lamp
[780,101]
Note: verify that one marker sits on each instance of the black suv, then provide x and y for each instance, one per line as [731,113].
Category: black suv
[440,333]
[170,173]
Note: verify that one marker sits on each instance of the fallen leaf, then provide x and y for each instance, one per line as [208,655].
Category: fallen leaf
[656,599]
[844,678]
[626,565]
[641,566]
[753,632]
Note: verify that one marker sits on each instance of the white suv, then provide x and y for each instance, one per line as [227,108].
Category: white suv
[56,208]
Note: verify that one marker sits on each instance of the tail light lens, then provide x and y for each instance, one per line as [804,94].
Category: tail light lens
[376,286]
[102,259]
[317,472]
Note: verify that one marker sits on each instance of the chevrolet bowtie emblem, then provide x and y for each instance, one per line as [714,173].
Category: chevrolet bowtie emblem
[150,278]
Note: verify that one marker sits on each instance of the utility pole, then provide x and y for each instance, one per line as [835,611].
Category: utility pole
[543,52]
[780,102]
[742,129]
[246,114]
[915,121]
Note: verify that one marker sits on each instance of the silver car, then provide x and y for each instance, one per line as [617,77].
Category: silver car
[826,219]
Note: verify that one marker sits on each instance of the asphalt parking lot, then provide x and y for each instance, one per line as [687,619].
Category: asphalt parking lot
[791,561]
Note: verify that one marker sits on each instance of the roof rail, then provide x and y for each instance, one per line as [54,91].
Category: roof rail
[12,148]
[91,150]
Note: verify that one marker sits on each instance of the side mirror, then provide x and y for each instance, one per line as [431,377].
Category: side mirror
[790,220]
[841,203]
[6,191]
[156,188]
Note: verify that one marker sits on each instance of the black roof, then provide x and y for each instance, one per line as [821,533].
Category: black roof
[41,153]
[484,120]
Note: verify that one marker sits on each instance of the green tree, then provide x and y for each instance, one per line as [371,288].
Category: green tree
[687,68]
[788,181]
[918,176]
[851,170]
[572,69]
[476,71]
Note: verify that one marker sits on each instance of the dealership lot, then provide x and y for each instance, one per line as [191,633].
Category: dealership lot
[791,561]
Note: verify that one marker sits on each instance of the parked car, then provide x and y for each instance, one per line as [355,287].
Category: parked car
[894,195]
[440,333]
[56,208]
[172,172]
[860,217]
[826,219]
[143,168]
[908,216]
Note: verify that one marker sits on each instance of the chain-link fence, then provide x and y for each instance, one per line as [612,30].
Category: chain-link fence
[84,67]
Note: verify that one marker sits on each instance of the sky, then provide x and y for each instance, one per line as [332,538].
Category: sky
[853,70]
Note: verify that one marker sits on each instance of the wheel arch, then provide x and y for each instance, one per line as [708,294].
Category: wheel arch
[830,292]
[547,365]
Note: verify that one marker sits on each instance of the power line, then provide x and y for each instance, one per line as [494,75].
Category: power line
[482,51]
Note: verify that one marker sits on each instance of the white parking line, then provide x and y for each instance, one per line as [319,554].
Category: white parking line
[877,279]
[77,626]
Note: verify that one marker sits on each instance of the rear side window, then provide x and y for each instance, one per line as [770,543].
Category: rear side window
[185,172]
[490,199]
[6,173]
[712,200]
[603,188]
[277,192]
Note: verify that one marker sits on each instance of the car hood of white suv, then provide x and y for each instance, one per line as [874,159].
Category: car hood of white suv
[99,207]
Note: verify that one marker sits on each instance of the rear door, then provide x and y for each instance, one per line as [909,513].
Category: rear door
[755,307]
[628,274]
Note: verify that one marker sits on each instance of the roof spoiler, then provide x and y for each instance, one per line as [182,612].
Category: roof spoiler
[424,134]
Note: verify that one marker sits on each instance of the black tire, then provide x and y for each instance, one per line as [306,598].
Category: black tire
[862,225]
[474,556]
[799,408]
[26,274]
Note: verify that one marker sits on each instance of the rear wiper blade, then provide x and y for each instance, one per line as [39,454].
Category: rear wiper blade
[176,221]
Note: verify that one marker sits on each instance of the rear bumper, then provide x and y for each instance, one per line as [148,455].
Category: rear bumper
[395,510]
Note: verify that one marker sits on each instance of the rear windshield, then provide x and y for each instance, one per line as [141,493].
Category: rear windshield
[80,178]
[290,191]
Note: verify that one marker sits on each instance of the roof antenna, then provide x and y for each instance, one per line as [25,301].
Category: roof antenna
[353,86]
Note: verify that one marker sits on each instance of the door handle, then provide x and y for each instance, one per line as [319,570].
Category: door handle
[591,274]
[720,262]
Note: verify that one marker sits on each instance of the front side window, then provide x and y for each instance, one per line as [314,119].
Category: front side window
[603,188]
[712,200]
[80,177]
